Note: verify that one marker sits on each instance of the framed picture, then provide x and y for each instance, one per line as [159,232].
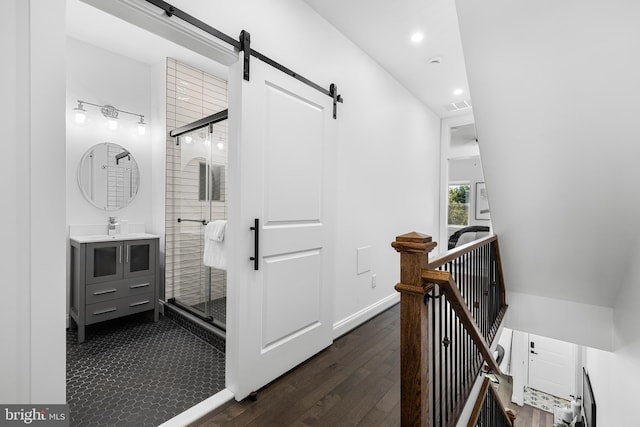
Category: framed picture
[482,202]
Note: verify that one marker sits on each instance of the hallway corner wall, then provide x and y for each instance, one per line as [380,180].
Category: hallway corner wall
[614,374]
[32,363]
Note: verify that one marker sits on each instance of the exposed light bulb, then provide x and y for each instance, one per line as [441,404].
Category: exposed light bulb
[80,117]
[112,124]
[417,37]
[142,126]
[220,146]
[188,139]
[458,91]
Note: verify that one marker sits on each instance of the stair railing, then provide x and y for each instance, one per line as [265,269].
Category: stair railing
[450,308]
[489,411]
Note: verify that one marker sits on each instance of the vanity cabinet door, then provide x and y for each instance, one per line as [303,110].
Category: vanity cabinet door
[104,262]
[140,257]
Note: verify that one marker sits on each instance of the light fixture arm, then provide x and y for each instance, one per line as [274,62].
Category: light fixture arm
[110,111]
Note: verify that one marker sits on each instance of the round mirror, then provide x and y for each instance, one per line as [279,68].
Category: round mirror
[108,176]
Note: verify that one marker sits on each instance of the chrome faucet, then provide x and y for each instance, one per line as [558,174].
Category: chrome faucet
[113,224]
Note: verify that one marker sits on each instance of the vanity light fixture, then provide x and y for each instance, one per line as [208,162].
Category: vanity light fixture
[110,113]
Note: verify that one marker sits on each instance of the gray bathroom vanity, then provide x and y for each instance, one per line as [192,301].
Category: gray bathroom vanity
[111,277]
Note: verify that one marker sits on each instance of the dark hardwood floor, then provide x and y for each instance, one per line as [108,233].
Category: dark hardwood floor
[356,381]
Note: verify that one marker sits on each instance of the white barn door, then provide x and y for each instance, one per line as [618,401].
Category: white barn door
[287,152]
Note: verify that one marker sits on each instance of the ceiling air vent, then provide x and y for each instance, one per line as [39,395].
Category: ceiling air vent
[458,106]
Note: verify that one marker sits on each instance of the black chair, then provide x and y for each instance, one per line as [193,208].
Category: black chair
[453,240]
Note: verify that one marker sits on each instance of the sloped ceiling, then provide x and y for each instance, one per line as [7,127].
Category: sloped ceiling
[383,30]
[556,90]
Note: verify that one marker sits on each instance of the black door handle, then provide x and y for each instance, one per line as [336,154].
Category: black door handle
[256,242]
[533,352]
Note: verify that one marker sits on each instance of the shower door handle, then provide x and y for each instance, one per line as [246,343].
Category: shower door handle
[256,243]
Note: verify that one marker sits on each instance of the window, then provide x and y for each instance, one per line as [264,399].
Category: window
[458,213]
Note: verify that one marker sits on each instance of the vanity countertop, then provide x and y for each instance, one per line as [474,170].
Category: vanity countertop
[116,237]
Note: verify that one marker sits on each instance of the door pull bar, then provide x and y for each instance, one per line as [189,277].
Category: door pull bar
[256,242]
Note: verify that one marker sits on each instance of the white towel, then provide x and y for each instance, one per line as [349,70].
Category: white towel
[214,248]
[215,230]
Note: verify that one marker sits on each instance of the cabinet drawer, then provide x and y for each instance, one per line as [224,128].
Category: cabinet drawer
[108,291]
[116,308]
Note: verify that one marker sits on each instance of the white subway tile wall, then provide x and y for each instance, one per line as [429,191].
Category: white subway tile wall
[191,95]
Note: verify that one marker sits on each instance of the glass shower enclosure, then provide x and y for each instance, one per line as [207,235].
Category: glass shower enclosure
[196,194]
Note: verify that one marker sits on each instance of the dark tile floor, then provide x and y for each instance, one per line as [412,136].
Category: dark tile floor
[133,372]
[217,308]
[182,319]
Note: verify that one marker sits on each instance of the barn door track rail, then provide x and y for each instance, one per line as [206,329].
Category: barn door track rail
[243,44]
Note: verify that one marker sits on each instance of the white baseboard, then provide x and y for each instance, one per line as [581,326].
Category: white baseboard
[348,323]
[200,410]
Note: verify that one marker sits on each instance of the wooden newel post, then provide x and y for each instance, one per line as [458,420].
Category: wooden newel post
[414,251]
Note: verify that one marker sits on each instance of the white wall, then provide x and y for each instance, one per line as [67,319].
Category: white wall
[626,361]
[569,321]
[614,374]
[600,366]
[102,77]
[32,322]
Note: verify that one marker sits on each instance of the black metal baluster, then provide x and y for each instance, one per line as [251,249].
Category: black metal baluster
[483,301]
[450,348]
[474,286]
[467,285]
[446,370]
[454,362]
[440,395]
[435,369]
[487,292]
[483,297]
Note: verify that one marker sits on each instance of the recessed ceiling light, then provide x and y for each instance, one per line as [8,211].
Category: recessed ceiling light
[458,91]
[417,37]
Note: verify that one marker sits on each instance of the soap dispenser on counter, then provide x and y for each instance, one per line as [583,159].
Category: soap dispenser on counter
[113,226]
